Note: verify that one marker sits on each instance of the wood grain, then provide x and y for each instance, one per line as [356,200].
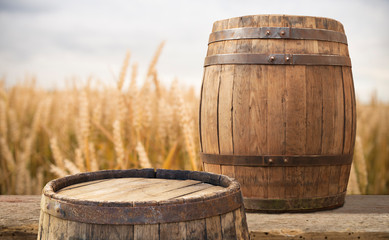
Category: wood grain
[138,189]
[364,216]
[284,110]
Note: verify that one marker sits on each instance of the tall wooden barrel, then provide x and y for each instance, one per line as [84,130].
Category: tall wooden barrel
[142,204]
[277,110]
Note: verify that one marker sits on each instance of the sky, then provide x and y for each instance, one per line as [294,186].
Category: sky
[58,40]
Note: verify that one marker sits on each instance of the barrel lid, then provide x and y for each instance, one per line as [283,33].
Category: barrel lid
[140,196]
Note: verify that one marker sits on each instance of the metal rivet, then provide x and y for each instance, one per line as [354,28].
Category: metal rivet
[272,58]
[57,208]
[270,160]
[285,160]
[287,59]
[268,32]
[282,33]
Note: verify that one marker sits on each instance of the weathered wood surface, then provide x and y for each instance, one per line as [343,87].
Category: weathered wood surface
[280,110]
[19,217]
[137,189]
[142,204]
[362,217]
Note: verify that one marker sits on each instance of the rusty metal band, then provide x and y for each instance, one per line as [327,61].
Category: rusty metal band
[137,212]
[294,205]
[277,59]
[278,33]
[268,161]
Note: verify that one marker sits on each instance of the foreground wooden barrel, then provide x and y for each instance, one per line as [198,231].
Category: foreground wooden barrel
[142,204]
[277,110]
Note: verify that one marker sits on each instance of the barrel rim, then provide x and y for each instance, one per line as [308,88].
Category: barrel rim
[281,15]
[142,212]
[230,184]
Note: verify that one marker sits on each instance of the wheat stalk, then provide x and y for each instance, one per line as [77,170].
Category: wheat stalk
[80,163]
[119,149]
[58,158]
[3,119]
[94,162]
[123,72]
[143,159]
[59,172]
[85,127]
[71,167]
[6,153]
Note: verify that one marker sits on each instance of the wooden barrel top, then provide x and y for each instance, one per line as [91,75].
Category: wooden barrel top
[138,189]
[140,196]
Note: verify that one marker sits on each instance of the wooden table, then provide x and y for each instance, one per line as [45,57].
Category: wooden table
[362,217]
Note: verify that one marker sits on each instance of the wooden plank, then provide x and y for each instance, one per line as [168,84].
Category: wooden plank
[112,232]
[321,23]
[203,191]
[158,192]
[217,47]
[258,111]
[213,168]
[147,231]
[343,50]
[296,110]
[142,189]
[294,182]
[209,128]
[311,181]
[19,216]
[334,180]
[362,217]
[45,227]
[344,176]
[95,186]
[96,194]
[185,192]
[241,114]
[74,186]
[328,133]
[253,181]
[57,228]
[241,224]
[348,108]
[314,98]
[228,170]
[314,103]
[338,109]
[354,128]
[276,115]
[173,231]
[322,188]
[260,45]
[213,227]
[240,99]
[196,229]
[276,102]
[78,230]
[225,109]
[228,226]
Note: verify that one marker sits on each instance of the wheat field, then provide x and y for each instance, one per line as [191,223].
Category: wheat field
[48,134]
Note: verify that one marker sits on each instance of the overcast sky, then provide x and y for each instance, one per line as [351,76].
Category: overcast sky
[55,40]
